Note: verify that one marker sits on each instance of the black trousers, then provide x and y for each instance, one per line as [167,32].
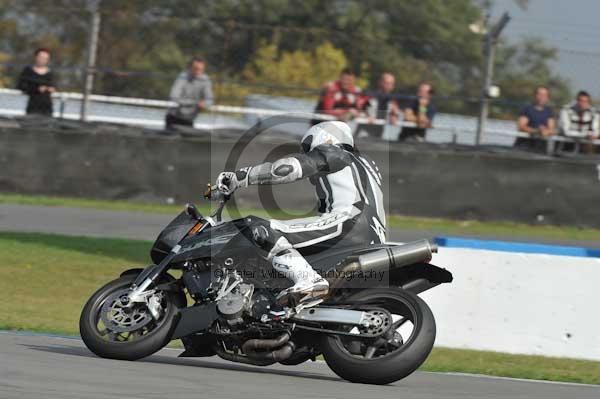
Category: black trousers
[172,120]
[412,133]
[39,104]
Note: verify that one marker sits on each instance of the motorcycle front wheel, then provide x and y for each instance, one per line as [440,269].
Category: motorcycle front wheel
[115,331]
[395,354]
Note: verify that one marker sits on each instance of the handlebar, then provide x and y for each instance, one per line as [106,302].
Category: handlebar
[212,193]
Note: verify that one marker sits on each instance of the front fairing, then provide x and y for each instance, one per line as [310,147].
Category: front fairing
[225,240]
[171,235]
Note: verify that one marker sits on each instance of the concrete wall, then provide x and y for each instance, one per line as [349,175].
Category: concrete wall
[518,303]
[422,180]
[509,302]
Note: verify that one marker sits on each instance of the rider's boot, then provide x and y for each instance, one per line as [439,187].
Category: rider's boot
[308,284]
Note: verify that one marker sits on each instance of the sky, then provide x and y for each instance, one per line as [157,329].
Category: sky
[572,26]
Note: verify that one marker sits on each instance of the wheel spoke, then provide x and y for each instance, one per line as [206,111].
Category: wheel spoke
[372,349]
[396,341]
[399,323]
[370,352]
[393,330]
[354,347]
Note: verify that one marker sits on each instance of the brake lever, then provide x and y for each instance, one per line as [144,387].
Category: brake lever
[212,193]
[208,192]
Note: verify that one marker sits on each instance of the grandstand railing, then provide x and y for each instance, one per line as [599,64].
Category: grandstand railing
[63,97]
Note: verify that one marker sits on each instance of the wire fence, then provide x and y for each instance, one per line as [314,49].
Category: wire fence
[149,113]
[134,74]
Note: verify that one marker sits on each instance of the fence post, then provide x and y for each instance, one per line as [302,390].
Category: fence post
[63,104]
[90,69]
[491,39]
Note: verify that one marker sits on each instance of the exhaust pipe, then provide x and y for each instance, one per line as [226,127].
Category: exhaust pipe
[265,360]
[257,344]
[274,356]
[392,258]
[265,349]
[262,352]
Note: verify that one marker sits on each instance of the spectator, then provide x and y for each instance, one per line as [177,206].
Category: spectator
[192,91]
[37,81]
[421,111]
[537,120]
[580,120]
[382,105]
[341,98]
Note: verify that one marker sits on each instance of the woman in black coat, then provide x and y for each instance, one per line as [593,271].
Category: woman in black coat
[37,81]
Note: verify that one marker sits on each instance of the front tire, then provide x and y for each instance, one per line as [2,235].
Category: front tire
[381,367]
[108,344]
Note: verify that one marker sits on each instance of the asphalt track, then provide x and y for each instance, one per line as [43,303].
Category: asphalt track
[146,226]
[37,366]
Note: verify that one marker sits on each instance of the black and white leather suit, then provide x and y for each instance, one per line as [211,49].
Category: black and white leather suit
[350,202]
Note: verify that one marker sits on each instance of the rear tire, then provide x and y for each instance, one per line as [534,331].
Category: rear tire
[127,350]
[392,366]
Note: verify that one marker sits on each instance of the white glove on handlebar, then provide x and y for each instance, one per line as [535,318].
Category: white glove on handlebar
[227,182]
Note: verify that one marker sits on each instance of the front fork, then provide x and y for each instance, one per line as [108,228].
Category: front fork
[149,276]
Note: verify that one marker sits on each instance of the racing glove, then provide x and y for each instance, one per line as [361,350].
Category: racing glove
[228,182]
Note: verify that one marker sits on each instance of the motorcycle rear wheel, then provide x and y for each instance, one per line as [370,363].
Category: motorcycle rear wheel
[131,345]
[392,356]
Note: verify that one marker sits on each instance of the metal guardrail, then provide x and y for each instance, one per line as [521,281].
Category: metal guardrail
[63,97]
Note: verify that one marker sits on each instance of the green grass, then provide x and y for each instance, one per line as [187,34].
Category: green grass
[515,366]
[429,225]
[46,279]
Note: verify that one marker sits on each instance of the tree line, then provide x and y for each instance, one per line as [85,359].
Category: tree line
[281,47]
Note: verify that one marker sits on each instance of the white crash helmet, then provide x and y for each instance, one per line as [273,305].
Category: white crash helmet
[330,132]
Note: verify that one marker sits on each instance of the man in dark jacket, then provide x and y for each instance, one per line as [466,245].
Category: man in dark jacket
[421,112]
[37,81]
[382,104]
[537,120]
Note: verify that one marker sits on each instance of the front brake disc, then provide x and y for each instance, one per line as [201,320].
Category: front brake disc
[120,318]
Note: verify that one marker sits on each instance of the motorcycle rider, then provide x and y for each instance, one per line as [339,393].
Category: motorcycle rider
[348,188]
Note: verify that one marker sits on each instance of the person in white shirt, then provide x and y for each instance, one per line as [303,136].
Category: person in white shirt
[580,120]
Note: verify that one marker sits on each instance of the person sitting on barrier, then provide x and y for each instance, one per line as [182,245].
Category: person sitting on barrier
[421,111]
[537,120]
[341,99]
[37,81]
[580,119]
[192,91]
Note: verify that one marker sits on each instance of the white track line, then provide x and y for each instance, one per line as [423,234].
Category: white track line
[493,377]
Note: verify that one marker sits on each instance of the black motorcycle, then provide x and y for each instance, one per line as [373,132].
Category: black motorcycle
[377,332]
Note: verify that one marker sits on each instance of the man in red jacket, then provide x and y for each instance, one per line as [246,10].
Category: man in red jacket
[341,98]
